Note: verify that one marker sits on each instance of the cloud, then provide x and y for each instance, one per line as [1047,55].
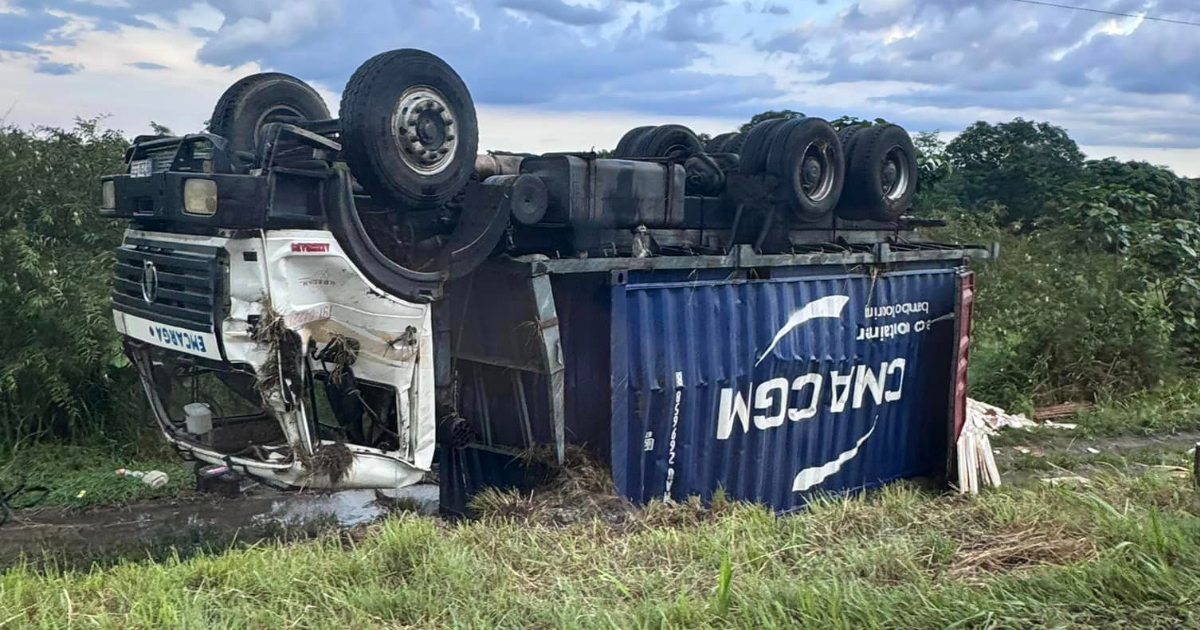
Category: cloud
[56,68]
[692,21]
[932,64]
[510,59]
[20,30]
[558,11]
[790,40]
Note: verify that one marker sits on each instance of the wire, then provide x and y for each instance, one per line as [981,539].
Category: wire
[1150,18]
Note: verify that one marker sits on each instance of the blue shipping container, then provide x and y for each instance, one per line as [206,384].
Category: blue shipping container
[777,390]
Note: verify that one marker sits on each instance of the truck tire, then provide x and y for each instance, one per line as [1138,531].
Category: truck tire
[258,99]
[716,144]
[847,135]
[881,174]
[756,145]
[630,140]
[408,127]
[668,141]
[734,144]
[806,156]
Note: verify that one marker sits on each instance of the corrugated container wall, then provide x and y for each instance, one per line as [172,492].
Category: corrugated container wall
[777,390]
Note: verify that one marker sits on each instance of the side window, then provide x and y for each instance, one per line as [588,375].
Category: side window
[357,412]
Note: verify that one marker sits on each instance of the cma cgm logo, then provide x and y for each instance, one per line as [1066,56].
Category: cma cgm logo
[768,405]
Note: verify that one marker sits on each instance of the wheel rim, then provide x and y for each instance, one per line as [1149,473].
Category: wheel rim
[426,127]
[815,173]
[895,175]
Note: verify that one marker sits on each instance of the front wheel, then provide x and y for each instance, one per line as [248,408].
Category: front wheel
[408,129]
[263,98]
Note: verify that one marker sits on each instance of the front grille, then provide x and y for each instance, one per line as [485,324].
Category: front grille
[190,282]
[160,160]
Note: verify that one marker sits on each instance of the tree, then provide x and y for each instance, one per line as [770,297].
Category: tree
[57,256]
[1020,165]
[1177,197]
[841,122]
[769,115]
[161,130]
[935,186]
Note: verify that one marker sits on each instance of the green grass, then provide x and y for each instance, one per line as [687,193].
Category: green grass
[1123,460]
[1122,553]
[1172,408]
[84,475]
[1166,410]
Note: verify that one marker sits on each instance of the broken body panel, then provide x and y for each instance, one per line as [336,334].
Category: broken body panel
[303,279]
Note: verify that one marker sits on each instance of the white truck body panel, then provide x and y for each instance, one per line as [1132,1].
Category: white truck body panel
[304,276]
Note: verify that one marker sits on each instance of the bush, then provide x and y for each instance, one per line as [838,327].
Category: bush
[60,351]
[1057,320]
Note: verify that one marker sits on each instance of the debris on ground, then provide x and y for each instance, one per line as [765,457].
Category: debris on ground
[976,463]
[976,459]
[994,418]
[1093,450]
[1179,472]
[1018,548]
[1065,410]
[333,459]
[154,478]
[1067,480]
[581,490]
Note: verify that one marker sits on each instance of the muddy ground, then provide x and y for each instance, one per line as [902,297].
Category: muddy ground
[69,537]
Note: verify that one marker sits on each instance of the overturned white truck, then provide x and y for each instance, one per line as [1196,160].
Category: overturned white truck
[346,303]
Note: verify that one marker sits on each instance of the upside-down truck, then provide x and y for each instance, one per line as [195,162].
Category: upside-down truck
[349,302]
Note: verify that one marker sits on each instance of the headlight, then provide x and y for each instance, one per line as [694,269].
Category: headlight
[108,195]
[200,196]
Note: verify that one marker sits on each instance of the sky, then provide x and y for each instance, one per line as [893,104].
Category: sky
[551,75]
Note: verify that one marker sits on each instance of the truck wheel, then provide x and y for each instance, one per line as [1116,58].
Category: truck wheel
[734,144]
[806,155]
[258,99]
[756,145]
[716,144]
[668,141]
[630,140]
[408,128]
[847,134]
[881,177]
